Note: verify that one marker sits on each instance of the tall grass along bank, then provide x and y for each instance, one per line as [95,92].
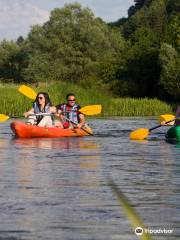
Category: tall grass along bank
[14,103]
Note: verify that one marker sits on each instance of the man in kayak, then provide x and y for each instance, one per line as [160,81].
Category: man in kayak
[69,114]
[41,105]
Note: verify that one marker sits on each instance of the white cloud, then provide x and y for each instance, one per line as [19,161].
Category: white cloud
[108,10]
[18,16]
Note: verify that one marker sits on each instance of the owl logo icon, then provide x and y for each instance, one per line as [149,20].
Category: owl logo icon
[139,231]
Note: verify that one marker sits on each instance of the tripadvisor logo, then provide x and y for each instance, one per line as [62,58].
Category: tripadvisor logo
[139,231]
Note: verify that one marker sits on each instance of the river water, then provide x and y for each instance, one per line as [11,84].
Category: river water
[58,188]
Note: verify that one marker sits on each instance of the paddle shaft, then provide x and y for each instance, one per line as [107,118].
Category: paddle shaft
[77,124]
[161,124]
[40,114]
[34,114]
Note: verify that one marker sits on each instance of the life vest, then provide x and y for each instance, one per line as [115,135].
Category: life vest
[71,113]
[37,109]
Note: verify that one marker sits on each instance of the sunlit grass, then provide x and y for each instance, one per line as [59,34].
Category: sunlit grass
[14,103]
[136,107]
[11,102]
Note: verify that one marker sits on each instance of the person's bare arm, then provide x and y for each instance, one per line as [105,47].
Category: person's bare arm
[26,114]
[82,121]
[53,109]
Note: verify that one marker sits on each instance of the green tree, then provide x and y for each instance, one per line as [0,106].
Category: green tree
[173,31]
[172,7]
[141,69]
[170,70]
[71,45]
[134,22]
[157,17]
[13,60]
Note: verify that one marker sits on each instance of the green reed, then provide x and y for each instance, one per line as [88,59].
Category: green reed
[137,107]
[14,103]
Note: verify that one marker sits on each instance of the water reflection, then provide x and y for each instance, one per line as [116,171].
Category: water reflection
[51,143]
[54,179]
[2,143]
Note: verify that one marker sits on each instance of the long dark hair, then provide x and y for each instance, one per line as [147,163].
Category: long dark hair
[46,96]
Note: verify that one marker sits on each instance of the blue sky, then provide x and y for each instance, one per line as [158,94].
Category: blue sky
[16,16]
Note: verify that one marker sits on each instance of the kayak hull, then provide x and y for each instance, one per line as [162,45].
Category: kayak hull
[173,134]
[22,130]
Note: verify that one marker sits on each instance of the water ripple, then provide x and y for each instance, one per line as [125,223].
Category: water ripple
[58,188]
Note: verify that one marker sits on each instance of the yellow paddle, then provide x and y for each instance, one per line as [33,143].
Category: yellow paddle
[27,91]
[3,117]
[87,110]
[91,110]
[143,133]
[165,118]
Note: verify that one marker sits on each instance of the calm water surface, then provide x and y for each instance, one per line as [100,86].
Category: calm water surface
[58,188]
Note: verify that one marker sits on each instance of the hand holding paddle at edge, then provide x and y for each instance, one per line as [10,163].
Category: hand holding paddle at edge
[177,121]
[165,118]
[142,133]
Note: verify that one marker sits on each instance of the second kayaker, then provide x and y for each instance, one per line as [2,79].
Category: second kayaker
[41,105]
[69,114]
[177,121]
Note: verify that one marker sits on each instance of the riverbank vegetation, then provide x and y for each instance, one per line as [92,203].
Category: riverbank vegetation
[136,57]
[14,103]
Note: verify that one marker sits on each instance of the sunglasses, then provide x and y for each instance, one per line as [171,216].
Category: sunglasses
[71,100]
[40,98]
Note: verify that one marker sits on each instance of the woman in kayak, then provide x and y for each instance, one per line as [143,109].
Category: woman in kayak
[69,114]
[41,105]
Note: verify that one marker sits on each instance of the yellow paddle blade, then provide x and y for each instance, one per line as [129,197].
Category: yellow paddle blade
[91,109]
[165,118]
[28,92]
[3,117]
[139,134]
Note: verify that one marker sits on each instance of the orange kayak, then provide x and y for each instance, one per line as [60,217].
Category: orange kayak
[22,130]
